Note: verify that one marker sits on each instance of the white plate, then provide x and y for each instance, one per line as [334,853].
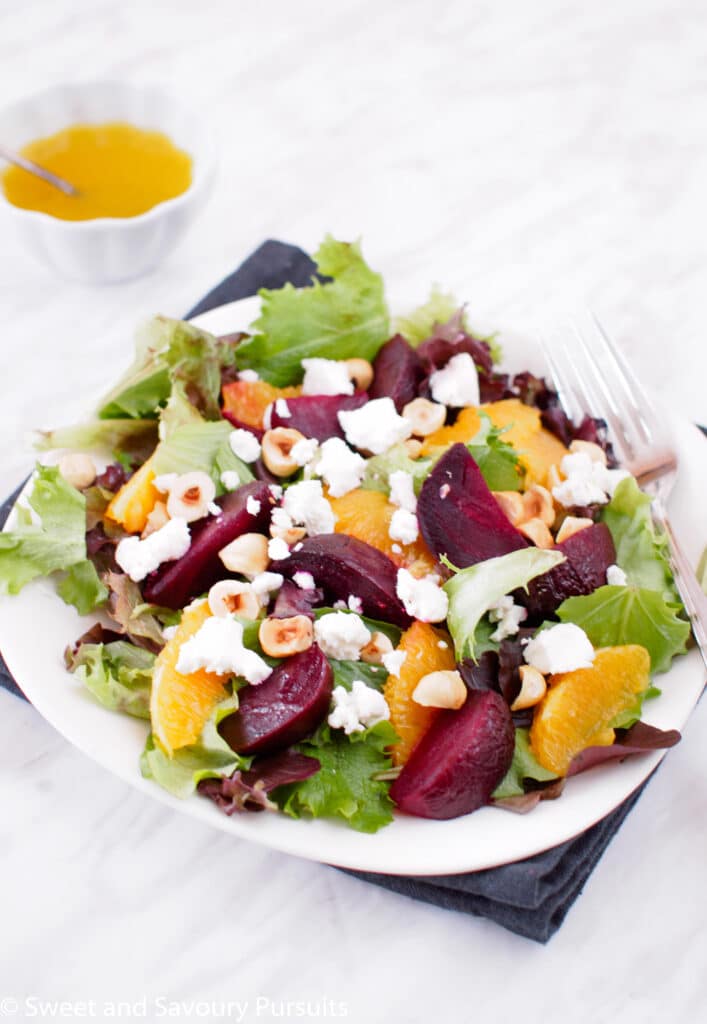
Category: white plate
[36,626]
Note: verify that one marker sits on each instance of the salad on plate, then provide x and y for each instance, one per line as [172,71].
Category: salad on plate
[346,567]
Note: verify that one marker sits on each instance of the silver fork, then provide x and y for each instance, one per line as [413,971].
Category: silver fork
[575,358]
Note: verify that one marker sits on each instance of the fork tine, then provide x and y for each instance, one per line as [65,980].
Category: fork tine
[630,384]
[567,393]
[601,397]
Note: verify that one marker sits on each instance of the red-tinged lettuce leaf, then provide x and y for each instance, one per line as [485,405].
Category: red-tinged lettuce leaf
[525,802]
[248,790]
[641,738]
[127,608]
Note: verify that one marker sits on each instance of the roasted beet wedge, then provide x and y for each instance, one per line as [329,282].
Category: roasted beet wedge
[458,515]
[397,372]
[174,584]
[317,415]
[240,425]
[459,761]
[292,600]
[436,352]
[343,566]
[288,706]
[588,554]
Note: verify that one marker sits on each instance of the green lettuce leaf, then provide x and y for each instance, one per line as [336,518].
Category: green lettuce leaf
[523,766]
[380,467]
[439,309]
[118,674]
[129,611]
[343,318]
[136,437]
[630,615]
[472,591]
[347,785]
[498,461]
[346,671]
[57,542]
[200,446]
[82,587]
[208,758]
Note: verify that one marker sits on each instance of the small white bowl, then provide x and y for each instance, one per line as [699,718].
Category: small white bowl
[108,249]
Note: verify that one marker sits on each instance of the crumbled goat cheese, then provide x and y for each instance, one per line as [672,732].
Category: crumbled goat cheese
[277,549]
[169,631]
[341,635]
[165,482]
[403,526]
[341,469]
[375,427]
[282,409]
[252,506]
[423,599]
[248,375]
[217,646]
[393,662]
[402,492]
[244,445]
[304,580]
[138,558]
[561,648]
[266,583]
[280,519]
[587,482]
[442,644]
[355,604]
[616,577]
[508,615]
[396,549]
[457,383]
[267,416]
[276,491]
[214,508]
[357,710]
[306,506]
[230,479]
[304,451]
[326,377]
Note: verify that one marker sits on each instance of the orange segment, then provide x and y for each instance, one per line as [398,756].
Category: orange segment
[135,500]
[421,643]
[466,426]
[247,400]
[578,707]
[366,515]
[542,451]
[181,704]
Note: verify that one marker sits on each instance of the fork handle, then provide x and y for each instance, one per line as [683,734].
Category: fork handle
[691,592]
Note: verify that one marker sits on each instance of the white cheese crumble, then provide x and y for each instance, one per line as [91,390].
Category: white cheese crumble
[276,491]
[304,580]
[403,526]
[457,383]
[375,427]
[244,445]
[282,409]
[588,482]
[217,646]
[169,631]
[304,451]
[341,635]
[266,583]
[355,604]
[230,479]
[393,661]
[402,492]
[423,599]
[138,558]
[165,482]
[508,615]
[357,710]
[326,377]
[616,577]
[248,375]
[277,549]
[306,506]
[561,648]
[253,506]
[341,469]
[214,508]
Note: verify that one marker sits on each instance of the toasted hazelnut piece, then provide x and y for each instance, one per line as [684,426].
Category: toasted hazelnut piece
[424,416]
[553,477]
[229,597]
[532,690]
[247,554]
[443,689]
[282,637]
[156,519]
[277,445]
[537,531]
[360,372]
[78,469]
[190,496]
[511,503]
[377,646]
[290,534]
[413,448]
[595,453]
[572,525]
[537,504]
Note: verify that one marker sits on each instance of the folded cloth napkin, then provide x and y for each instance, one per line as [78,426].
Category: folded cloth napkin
[530,897]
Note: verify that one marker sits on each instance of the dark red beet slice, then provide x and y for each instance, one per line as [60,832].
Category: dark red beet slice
[342,566]
[288,706]
[436,352]
[240,425]
[588,555]
[176,583]
[459,761]
[317,415]
[397,372]
[292,600]
[458,515]
[248,791]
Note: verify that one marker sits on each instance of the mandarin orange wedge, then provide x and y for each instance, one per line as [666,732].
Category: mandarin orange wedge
[180,704]
[579,707]
[135,500]
[247,400]
[421,644]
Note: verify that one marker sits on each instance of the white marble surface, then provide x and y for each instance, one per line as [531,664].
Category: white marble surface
[525,155]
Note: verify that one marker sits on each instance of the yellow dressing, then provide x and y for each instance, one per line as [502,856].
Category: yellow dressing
[120,171]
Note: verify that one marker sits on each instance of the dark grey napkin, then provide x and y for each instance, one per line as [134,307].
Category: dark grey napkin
[530,897]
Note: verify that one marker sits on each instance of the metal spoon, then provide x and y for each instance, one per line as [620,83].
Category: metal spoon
[28,165]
